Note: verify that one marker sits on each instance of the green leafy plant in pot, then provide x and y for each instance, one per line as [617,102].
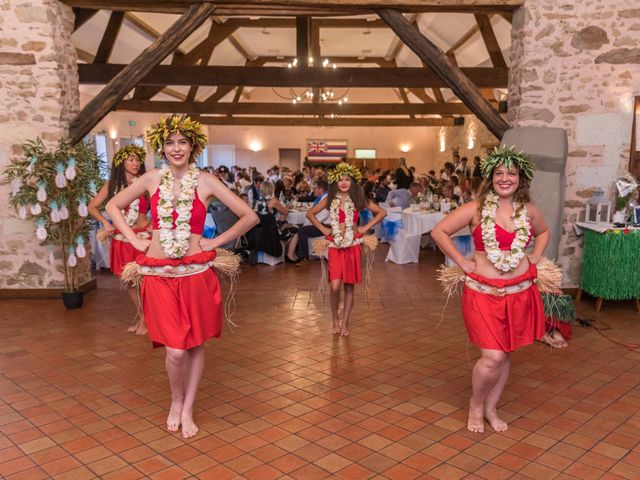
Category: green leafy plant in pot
[53,189]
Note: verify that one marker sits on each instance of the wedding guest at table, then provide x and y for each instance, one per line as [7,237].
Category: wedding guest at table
[298,248]
[402,197]
[254,191]
[464,169]
[455,185]
[404,176]
[477,173]
[447,193]
[383,189]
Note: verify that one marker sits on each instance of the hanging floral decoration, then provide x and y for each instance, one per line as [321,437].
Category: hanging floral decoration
[46,186]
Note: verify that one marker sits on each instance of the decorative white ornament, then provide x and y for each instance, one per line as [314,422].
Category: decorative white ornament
[41,194]
[501,260]
[22,211]
[72,260]
[64,212]
[54,214]
[340,240]
[41,231]
[83,210]
[175,242]
[70,172]
[35,209]
[61,180]
[81,252]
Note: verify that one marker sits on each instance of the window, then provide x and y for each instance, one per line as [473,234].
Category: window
[100,143]
[365,153]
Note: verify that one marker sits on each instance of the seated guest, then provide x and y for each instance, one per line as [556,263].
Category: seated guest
[380,194]
[253,192]
[402,196]
[298,250]
[447,193]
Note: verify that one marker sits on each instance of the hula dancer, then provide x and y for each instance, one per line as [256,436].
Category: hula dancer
[501,304]
[127,166]
[345,238]
[181,296]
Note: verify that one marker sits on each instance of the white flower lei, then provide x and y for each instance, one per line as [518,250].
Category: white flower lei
[175,243]
[131,214]
[500,259]
[348,239]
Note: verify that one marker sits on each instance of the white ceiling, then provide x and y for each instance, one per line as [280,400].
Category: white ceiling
[444,29]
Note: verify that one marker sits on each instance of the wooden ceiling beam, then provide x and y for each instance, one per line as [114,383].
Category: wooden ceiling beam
[338,60]
[228,7]
[82,16]
[128,77]
[490,40]
[287,108]
[329,122]
[356,23]
[161,75]
[109,38]
[223,91]
[461,85]
[147,30]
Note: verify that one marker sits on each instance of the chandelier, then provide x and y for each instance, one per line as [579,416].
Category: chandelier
[326,95]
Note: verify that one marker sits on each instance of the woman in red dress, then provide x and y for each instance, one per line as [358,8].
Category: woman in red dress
[180,291]
[501,304]
[127,166]
[344,200]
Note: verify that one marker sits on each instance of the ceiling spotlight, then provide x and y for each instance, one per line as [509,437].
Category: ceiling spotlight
[295,62]
[325,62]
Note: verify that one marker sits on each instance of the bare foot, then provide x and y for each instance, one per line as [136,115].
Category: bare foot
[550,340]
[189,428]
[173,420]
[132,328]
[141,328]
[335,327]
[344,331]
[495,421]
[475,423]
[557,336]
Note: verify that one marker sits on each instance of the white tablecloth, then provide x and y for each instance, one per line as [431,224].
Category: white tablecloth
[297,217]
[419,223]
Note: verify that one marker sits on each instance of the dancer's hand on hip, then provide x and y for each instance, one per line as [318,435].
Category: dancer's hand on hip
[533,258]
[469,266]
[141,244]
[207,244]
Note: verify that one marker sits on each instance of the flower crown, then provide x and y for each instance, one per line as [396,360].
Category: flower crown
[158,134]
[342,169]
[509,157]
[125,152]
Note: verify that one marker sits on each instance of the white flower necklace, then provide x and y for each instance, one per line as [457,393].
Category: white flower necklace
[501,259]
[131,213]
[175,242]
[340,240]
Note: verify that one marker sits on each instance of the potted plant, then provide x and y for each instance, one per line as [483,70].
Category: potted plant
[53,188]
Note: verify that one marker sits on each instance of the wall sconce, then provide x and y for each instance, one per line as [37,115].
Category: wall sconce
[255,146]
[405,148]
[471,138]
[113,134]
[442,136]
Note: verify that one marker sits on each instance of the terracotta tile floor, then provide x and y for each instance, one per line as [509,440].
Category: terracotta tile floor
[282,398]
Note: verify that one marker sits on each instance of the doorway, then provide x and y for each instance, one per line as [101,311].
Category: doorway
[290,158]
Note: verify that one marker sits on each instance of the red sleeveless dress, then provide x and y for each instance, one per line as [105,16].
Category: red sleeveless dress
[181,312]
[120,252]
[345,263]
[507,322]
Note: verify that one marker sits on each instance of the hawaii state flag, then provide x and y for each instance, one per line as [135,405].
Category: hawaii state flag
[326,150]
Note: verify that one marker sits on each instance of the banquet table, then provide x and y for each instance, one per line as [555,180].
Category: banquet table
[419,222]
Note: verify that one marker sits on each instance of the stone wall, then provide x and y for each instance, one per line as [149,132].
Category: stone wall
[576,65]
[457,139]
[38,97]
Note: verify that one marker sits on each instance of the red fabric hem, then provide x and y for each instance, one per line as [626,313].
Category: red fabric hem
[200,257]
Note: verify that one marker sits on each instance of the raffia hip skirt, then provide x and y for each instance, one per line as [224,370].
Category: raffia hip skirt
[181,312]
[499,320]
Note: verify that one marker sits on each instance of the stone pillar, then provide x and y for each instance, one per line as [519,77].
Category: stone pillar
[38,97]
[575,65]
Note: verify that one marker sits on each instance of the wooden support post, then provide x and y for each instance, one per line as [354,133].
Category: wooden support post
[437,60]
[83,15]
[122,83]
[109,38]
[490,40]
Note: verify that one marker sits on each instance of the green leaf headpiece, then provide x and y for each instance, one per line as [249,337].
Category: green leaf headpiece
[158,134]
[342,169]
[125,152]
[509,157]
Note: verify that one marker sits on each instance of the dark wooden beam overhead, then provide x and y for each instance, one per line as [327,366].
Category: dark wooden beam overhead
[129,76]
[285,108]
[359,23]
[339,60]
[147,29]
[329,122]
[294,77]
[302,7]
[490,41]
[462,85]
[303,32]
[82,16]
[109,39]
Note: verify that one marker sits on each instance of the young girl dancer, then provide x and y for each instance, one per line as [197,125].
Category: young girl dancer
[501,303]
[181,296]
[344,200]
[127,166]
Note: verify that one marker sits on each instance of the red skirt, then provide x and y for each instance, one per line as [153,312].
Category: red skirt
[182,312]
[504,323]
[344,264]
[121,253]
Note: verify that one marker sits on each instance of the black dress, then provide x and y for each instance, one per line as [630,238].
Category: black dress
[403,180]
